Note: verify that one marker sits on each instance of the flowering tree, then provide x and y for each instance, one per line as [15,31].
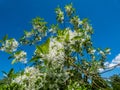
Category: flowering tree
[66,60]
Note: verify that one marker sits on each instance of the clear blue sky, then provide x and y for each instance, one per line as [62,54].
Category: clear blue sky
[15,16]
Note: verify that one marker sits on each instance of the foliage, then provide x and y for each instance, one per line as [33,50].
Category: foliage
[66,60]
[115,82]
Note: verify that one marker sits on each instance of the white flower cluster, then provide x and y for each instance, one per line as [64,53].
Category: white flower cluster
[28,79]
[20,56]
[19,79]
[73,34]
[91,50]
[76,21]
[55,50]
[60,15]
[88,27]
[35,27]
[28,34]
[108,51]
[69,9]
[9,45]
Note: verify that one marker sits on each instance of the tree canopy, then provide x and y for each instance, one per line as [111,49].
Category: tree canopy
[66,60]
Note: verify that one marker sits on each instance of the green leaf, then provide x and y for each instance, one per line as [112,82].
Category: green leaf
[0,41]
[18,52]
[77,38]
[44,48]
[13,61]
[67,37]
[5,73]
[11,72]
[35,58]
[5,37]
[10,57]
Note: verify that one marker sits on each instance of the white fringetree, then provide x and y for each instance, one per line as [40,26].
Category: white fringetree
[64,56]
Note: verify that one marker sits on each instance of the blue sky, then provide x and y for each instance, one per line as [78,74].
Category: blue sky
[15,16]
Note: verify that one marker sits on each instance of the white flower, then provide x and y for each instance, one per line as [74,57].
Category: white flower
[88,27]
[108,51]
[68,8]
[9,45]
[93,51]
[83,40]
[72,34]
[21,57]
[51,30]
[60,15]
[31,75]
[2,48]
[76,21]
[28,34]
[36,27]
[55,50]
[102,53]
[33,72]
[80,22]
[20,79]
